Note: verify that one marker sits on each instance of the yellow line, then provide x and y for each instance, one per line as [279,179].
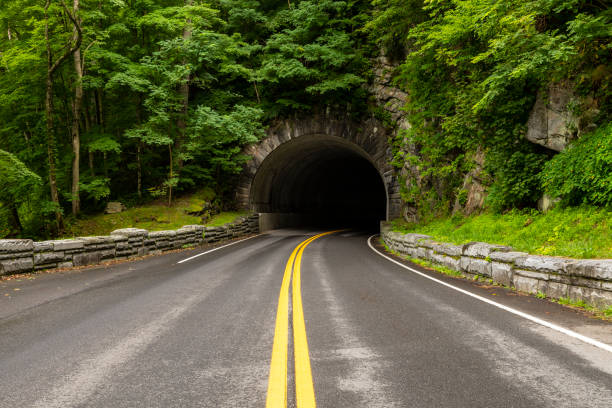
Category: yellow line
[277,380]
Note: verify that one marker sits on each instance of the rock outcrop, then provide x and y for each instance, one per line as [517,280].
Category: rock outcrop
[114,207]
[554,122]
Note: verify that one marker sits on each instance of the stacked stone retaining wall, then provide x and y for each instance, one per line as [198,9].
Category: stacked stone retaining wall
[589,280]
[25,255]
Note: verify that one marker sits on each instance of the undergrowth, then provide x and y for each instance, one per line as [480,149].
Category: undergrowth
[155,216]
[577,232]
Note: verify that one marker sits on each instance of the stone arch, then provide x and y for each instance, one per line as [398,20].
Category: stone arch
[294,145]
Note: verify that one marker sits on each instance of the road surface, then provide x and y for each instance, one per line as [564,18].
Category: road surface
[177,331]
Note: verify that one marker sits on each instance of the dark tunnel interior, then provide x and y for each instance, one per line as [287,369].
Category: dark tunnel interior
[319,182]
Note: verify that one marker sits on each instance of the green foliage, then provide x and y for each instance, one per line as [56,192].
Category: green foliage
[311,57]
[225,218]
[517,183]
[97,189]
[583,172]
[391,23]
[472,71]
[154,216]
[580,232]
[17,181]
[19,196]
[104,144]
[174,90]
[221,136]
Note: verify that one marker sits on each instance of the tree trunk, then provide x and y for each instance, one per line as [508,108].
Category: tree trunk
[99,108]
[86,116]
[139,170]
[16,220]
[256,92]
[170,177]
[184,93]
[76,116]
[49,121]
[91,163]
[51,68]
[51,151]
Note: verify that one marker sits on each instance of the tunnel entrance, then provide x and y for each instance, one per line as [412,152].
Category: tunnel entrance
[318,181]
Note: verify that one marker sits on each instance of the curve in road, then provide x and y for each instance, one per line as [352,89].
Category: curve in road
[160,333]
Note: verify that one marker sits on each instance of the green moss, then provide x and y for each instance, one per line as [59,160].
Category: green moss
[225,217]
[155,216]
[195,205]
[578,232]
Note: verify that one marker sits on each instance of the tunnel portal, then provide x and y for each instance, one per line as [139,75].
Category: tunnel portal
[319,181]
[323,169]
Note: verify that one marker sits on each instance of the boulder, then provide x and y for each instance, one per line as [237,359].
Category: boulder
[552,123]
[547,203]
[114,207]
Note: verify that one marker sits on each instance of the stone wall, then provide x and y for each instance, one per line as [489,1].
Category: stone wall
[25,255]
[589,280]
[367,136]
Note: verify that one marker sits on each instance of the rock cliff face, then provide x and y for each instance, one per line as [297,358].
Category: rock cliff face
[393,100]
[386,94]
[553,121]
[473,192]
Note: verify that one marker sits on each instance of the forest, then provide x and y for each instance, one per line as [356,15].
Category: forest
[136,100]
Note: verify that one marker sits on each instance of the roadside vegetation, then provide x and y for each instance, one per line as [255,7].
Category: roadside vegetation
[137,101]
[155,216]
[145,101]
[577,232]
[473,71]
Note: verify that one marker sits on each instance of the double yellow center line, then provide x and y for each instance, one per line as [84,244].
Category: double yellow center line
[277,382]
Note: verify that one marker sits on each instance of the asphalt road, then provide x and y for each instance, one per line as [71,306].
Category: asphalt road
[158,333]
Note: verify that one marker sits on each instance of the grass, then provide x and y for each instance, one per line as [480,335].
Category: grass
[577,232]
[225,217]
[155,216]
[439,268]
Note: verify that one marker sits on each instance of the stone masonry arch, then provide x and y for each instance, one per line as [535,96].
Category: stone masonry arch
[282,164]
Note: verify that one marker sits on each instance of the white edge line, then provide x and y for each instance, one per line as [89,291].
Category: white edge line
[527,316]
[217,248]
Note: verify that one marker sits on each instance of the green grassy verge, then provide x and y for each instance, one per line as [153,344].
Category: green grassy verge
[225,217]
[155,216]
[578,232]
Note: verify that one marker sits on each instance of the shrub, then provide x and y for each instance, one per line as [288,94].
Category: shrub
[583,172]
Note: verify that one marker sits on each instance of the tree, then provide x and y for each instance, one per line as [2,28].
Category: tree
[76,111]
[52,66]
